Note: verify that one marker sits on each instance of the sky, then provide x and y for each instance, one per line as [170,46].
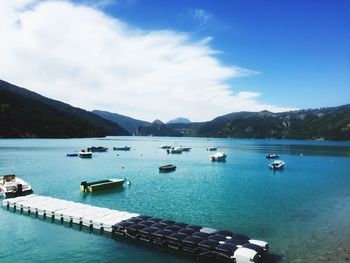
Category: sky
[153,59]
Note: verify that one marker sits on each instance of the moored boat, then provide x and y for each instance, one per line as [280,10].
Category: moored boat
[97,149]
[101,185]
[176,150]
[12,186]
[72,155]
[219,156]
[277,164]
[125,148]
[272,156]
[165,147]
[85,154]
[212,148]
[167,168]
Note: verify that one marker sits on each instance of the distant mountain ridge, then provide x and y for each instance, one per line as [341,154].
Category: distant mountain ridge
[24,113]
[331,123]
[158,128]
[130,124]
[179,120]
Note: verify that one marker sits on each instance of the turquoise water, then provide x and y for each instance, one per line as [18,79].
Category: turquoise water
[302,211]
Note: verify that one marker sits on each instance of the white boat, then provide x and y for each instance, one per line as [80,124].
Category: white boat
[277,164]
[219,156]
[165,147]
[176,150]
[212,148]
[272,156]
[85,154]
[12,186]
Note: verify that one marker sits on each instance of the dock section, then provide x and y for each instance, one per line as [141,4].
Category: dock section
[197,241]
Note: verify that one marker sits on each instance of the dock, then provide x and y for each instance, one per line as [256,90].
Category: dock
[197,241]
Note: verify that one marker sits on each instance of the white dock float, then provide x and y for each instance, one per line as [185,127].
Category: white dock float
[197,240]
[68,211]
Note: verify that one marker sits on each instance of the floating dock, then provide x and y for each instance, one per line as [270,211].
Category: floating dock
[200,242]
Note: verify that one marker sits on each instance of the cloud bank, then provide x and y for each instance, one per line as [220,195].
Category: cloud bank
[80,55]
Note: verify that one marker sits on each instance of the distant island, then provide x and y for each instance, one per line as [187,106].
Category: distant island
[26,114]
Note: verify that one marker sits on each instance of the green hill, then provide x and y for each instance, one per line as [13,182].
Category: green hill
[127,123]
[158,128]
[26,114]
[315,124]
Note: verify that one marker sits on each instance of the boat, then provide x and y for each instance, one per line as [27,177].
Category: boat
[176,150]
[12,186]
[219,156]
[101,185]
[212,149]
[272,156]
[277,164]
[165,147]
[125,148]
[185,149]
[85,154]
[72,155]
[167,168]
[97,149]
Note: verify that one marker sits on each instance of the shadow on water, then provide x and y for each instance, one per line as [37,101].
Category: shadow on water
[272,258]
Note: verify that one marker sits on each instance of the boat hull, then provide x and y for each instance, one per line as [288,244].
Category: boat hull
[275,167]
[167,168]
[15,194]
[99,149]
[101,185]
[121,148]
[220,159]
[85,155]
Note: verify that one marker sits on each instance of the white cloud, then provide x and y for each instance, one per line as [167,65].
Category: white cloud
[202,17]
[81,56]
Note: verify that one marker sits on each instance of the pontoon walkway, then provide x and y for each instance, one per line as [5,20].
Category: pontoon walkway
[190,239]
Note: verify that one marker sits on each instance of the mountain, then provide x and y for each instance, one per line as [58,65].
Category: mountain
[158,128]
[127,123]
[24,113]
[316,124]
[179,120]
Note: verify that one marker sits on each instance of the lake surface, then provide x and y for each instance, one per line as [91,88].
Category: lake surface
[302,211]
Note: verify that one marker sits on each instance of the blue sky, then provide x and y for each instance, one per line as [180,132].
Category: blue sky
[165,59]
[301,48]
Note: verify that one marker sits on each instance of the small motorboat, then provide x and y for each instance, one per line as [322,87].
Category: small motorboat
[97,149]
[12,186]
[167,168]
[272,156]
[125,148]
[85,154]
[211,149]
[277,164]
[72,155]
[176,150]
[165,147]
[219,156]
[101,185]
